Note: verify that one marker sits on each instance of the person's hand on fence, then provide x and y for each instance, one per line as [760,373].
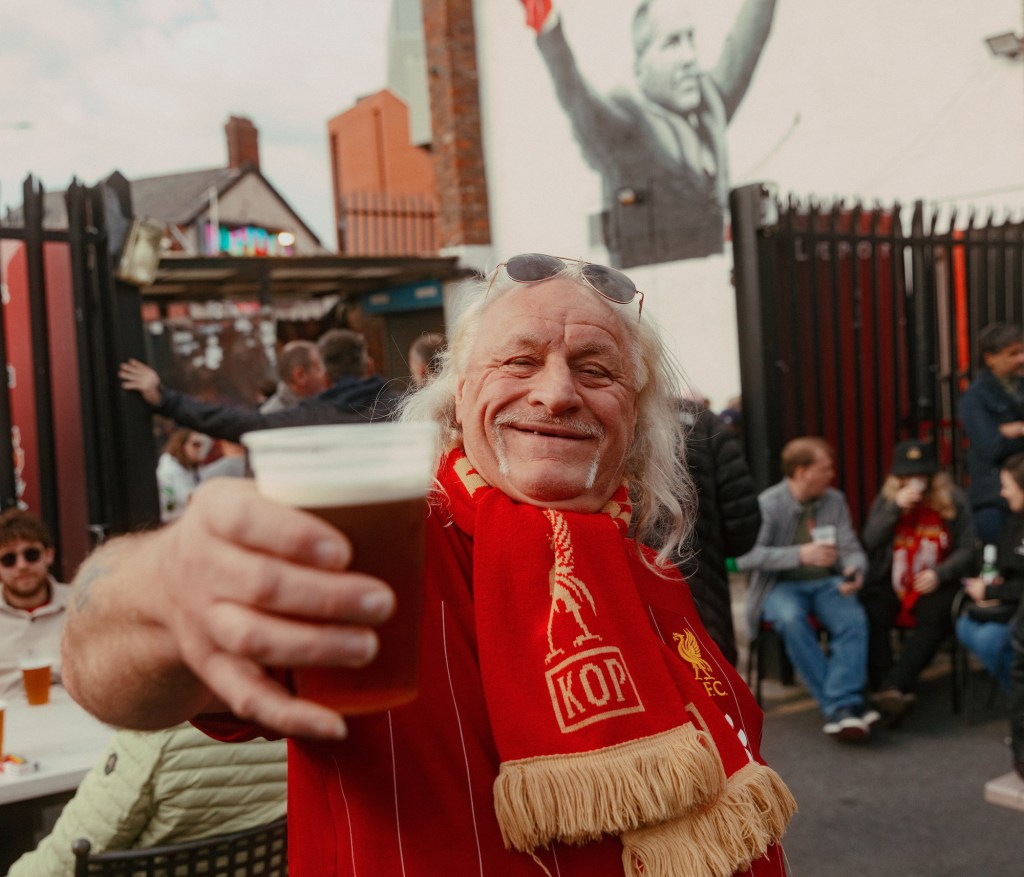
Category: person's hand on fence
[140,377]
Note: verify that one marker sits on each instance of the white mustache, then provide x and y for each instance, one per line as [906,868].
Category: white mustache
[512,418]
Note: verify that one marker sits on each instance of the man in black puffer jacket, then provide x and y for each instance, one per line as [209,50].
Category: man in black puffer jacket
[728,519]
[356,395]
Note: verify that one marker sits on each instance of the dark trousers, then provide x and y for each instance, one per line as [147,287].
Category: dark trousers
[919,644]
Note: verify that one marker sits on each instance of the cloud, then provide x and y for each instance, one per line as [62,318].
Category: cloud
[145,87]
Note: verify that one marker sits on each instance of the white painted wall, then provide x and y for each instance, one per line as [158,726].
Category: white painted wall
[874,99]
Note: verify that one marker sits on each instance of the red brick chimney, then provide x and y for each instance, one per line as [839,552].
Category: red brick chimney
[455,110]
[243,142]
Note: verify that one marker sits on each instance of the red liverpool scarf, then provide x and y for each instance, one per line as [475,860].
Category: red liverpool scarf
[599,727]
[920,541]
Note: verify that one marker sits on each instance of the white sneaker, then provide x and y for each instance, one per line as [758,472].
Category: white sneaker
[848,724]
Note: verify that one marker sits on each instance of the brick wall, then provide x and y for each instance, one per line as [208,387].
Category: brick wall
[243,142]
[455,112]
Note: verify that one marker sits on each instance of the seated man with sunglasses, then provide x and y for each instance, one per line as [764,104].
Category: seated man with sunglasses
[573,716]
[33,606]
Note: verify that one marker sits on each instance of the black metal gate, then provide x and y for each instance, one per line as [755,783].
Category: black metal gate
[108,431]
[859,324]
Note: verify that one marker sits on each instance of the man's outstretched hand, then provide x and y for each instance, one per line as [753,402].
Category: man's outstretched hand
[537,12]
[138,376]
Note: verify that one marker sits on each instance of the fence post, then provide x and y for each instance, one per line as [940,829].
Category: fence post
[137,499]
[751,208]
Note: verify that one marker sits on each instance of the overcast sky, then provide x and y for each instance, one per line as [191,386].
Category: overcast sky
[145,87]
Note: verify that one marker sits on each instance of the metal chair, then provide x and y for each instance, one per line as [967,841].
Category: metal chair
[254,852]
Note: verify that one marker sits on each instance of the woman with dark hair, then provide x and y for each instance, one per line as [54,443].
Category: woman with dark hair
[985,628]
[920,542]
[177,470]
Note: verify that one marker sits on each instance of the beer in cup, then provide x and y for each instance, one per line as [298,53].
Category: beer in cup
[371,482]
[825,534]
[35,672]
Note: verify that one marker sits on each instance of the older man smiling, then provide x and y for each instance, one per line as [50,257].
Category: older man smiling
[572,712]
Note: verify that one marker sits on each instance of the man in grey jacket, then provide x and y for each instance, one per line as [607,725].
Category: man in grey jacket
[807,561]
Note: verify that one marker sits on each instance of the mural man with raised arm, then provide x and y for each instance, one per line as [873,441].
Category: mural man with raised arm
[661,150]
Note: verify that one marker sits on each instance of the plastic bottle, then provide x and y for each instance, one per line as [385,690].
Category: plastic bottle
[989,572]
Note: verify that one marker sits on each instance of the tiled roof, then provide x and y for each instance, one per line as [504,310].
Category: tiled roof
[177,198]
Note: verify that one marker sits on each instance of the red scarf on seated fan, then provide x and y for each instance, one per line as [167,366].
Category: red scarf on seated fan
[599,727]
[920,541]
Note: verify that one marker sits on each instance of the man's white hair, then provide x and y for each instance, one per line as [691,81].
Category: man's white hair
[663,494]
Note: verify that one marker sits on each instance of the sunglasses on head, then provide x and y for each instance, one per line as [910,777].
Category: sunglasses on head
[10,558]
[537,267]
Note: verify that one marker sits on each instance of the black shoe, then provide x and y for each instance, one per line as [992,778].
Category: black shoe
[893,704]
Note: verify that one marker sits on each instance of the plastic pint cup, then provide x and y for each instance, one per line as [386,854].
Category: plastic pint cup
[825,534]
[35,673]
[371,482]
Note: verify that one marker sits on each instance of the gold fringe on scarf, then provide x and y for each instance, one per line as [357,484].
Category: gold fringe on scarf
[578,797]
[719,840]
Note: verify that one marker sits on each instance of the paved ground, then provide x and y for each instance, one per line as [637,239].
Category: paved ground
[909,803]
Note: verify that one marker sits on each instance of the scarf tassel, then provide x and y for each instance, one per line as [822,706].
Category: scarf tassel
[578,797]
[718,841]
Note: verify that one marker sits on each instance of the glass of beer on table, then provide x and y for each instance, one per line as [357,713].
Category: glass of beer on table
[35,673]
[370,481]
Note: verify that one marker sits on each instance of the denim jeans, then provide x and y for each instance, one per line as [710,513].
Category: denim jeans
[992,642]
[837,680]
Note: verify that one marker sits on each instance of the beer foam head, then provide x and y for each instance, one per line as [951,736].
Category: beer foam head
[35,663]
[346,464]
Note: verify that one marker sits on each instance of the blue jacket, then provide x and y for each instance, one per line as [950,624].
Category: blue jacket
[348,400]
[775,554]
[983,407]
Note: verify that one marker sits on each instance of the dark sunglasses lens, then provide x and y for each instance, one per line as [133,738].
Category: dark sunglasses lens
[531,267]
[11,557]
[614,284]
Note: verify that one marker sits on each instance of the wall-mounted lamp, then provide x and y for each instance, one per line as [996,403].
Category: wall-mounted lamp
[140,256]
[1005,45]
